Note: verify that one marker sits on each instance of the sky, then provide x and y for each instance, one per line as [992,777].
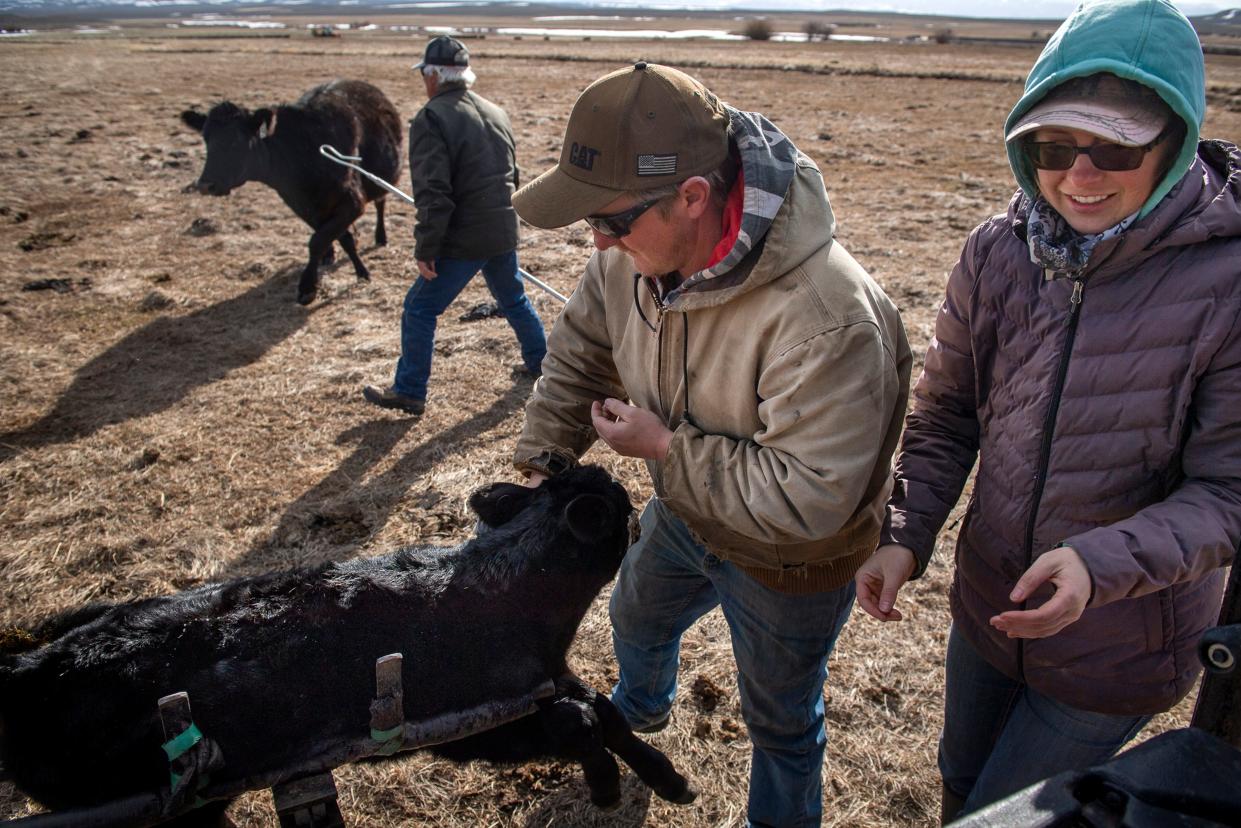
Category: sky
[1051,9]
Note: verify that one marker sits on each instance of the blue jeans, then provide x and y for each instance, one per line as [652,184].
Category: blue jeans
[1001,736]
[427,299]
[780,641]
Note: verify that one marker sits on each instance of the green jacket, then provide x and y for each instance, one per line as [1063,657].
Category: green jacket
[1148,41]
[464,171]
[784,381]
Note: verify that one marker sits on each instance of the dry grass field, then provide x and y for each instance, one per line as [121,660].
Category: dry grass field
[170,416]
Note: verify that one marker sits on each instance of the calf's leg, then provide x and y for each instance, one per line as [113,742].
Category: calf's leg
[651,766]
[574,732]
[563,727]
[609,725]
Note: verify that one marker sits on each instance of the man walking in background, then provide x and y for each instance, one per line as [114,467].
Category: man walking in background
[464,169]
[721,334]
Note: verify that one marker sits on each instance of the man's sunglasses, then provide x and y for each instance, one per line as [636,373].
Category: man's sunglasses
[1062,155]
[617,225]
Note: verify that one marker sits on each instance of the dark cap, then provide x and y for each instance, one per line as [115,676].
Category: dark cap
[637,128]
[444,51]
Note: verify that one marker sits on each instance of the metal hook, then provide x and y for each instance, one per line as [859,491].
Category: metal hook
[330,152]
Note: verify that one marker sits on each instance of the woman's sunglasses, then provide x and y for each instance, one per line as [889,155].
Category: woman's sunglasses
[1062,155]
[616,225]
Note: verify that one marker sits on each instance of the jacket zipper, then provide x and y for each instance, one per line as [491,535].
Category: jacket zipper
[1044,458]
[660,310]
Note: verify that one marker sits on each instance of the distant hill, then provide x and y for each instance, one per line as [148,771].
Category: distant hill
[658,8]
[1230,16]
[1226,23]
[184,8]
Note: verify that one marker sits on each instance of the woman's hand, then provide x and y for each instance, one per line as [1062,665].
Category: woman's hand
[1064,568]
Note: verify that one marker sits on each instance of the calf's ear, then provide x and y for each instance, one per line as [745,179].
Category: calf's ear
[500,502]
[260,121]
[194,120]
[587,516]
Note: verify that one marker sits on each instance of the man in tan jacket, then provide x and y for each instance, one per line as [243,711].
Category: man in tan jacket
[723,336]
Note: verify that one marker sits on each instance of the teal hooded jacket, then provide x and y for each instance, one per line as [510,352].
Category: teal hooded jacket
[1148,41]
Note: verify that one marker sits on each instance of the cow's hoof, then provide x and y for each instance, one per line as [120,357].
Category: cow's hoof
[681,794]
[364,275]
[305,297]
[607,803]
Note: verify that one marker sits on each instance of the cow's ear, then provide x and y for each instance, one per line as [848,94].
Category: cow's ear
[587,516]
[260,121]
[194,120]
[500,502]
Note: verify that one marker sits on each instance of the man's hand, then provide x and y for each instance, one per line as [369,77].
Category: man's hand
[1063,567]
[881,577]
[629,430]
[426,269]
[535,479]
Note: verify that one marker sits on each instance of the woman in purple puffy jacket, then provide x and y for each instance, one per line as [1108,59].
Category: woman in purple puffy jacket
[1087,357]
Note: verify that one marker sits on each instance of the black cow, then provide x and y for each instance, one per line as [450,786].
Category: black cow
[277,666]
[280,148]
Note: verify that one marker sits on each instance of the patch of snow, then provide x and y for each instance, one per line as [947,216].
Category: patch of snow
[239,24]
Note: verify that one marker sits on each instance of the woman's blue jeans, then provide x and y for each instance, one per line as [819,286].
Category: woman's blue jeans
[780,642]
[427,299]
[1001,736]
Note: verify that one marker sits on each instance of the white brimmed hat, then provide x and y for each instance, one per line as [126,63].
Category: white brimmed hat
[1122,111]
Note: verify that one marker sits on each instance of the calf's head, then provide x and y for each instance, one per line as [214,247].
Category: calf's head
[580,521]
[232,136]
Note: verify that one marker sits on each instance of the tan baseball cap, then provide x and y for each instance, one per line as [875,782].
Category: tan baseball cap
[634,129]
[1115,109]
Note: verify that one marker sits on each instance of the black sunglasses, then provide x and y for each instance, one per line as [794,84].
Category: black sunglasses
[616,225]
[1107,156]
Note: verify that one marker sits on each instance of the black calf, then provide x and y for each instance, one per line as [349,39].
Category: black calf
[280,669]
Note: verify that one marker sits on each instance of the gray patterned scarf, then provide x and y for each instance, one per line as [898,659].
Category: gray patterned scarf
[1057,247]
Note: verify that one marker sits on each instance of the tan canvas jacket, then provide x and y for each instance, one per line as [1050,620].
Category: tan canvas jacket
[784,381]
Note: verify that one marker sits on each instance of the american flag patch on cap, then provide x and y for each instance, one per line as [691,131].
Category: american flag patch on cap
[657,164]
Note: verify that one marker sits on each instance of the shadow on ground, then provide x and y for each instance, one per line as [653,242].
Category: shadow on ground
[346,507]
[156,366]
[561,809]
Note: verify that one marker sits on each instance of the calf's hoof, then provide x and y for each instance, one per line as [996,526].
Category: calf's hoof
[305,297]
[364,275]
